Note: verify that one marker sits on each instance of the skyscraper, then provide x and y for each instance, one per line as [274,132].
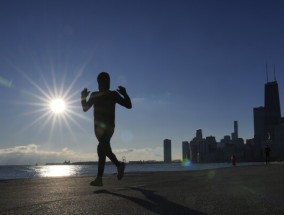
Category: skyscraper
[199,134]
[268,117]
[185,150]
[259,118]
[167,151]
[272,108]
[268,124]
[198,147]
[235,134]
[236,129]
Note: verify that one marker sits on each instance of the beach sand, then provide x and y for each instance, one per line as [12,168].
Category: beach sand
[236,190]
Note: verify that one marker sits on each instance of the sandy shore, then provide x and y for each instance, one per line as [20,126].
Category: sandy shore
[239,190]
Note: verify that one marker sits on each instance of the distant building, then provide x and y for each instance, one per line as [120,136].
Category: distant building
[167,151]
[235,134]
[278,145]
[211,143]
[185,150]
[236,129]
[272,108]
[259,119]
[193,150]
[226,140]
[198,147]
[203,150]
[199,135]
[269,125]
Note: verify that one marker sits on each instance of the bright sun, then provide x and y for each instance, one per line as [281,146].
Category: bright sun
[57,106]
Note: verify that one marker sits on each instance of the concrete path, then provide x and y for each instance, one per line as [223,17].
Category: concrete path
[240,190]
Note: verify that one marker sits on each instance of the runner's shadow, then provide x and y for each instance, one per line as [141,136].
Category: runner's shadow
[157,203]
[148,205]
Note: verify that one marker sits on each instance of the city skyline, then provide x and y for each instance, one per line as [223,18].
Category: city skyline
[268,133]
[187,147]
[185,64]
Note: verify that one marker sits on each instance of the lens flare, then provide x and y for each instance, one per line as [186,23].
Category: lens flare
[52,100]
[4,82]
[186,163]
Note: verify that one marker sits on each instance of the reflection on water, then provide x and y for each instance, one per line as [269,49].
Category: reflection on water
[14,172]
[57,171]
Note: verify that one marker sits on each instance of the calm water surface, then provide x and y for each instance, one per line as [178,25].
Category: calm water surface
[21,172]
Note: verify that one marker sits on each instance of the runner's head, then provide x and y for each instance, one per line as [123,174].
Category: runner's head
[103,81]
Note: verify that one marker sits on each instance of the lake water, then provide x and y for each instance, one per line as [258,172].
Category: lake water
[24,172]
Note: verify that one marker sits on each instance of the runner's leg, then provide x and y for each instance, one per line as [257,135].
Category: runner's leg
[102,160]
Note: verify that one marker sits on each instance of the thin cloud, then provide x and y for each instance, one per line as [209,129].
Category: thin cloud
[32,153]
[140,153]
[32,148]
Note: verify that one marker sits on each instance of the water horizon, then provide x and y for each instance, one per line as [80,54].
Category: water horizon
[8,172]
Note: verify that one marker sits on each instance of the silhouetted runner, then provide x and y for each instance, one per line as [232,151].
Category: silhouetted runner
[104,102]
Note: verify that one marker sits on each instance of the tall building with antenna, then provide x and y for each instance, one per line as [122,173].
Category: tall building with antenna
[267,120]
[272,108]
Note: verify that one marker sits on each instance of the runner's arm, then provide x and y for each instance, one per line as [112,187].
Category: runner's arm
[124,101]
[86,105]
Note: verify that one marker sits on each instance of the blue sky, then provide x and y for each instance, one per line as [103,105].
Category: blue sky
[185,64]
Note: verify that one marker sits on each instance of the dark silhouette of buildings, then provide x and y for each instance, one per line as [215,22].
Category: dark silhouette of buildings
[268,131]
[203,149]
[269,125]
[197,146]
[199,135]
[185,150]
[272,111]
[167,151]
[208,150]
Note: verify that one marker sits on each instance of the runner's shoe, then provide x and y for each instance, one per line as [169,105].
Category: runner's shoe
[98,182]
[120,170]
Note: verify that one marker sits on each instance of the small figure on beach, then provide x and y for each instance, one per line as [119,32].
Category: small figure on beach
[103,102]
[267,154]
[233,160]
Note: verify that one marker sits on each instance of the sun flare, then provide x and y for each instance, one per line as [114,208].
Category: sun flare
[54,104]
[57,106]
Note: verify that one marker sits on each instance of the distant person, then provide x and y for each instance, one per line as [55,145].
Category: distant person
[267,154]
[104,102]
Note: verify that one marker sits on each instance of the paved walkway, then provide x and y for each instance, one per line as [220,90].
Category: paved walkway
[239,190]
